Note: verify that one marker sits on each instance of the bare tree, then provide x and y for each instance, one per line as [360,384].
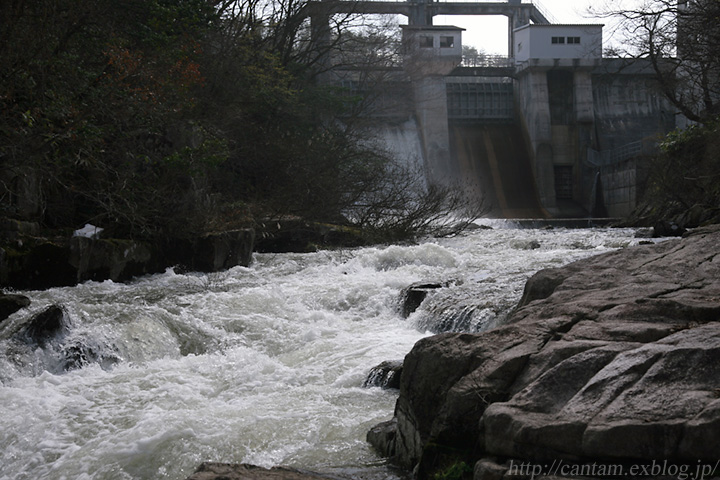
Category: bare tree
[680,38]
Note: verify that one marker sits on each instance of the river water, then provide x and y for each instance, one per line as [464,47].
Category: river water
[260,365]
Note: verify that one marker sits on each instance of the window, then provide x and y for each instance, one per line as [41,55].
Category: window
[575,40]
[558,40]
[426,41]
[447,42]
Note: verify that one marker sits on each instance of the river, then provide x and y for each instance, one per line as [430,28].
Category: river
[260,365]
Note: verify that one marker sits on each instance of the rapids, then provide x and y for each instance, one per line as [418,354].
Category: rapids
[262,365]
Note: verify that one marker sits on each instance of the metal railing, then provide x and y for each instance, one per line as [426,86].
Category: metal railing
[497,61]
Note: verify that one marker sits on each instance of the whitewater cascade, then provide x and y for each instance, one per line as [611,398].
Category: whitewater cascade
[262,365]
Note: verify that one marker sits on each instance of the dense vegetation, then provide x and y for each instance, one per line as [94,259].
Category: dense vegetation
[174,117]
[684,182]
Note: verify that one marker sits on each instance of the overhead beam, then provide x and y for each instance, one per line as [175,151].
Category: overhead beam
[420,11]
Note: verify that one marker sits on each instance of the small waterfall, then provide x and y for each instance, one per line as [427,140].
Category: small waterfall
[402,140]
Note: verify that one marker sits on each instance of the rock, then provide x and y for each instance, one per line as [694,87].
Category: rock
[10,304]
[229,471]
[107,259]
[412,296]
[228,249]
[36,263]
[665,228]
[47,325]
[541,285]
[386,375]
[644,233]
[78,355]
[612,358]
[39,263]
[382,437]
[211,252]
[525,244]
[488,469]
[12,229]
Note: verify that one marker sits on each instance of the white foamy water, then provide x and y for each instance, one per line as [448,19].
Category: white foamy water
[260,365]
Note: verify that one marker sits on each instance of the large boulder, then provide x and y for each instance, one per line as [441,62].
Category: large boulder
[108,259]
[47,325]
[211,252]
[386,375]
[11,303]
[615,358]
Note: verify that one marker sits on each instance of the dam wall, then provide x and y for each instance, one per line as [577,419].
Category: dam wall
[581,117]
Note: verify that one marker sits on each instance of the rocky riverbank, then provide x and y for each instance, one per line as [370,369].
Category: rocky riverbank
[33,259]
[611,360]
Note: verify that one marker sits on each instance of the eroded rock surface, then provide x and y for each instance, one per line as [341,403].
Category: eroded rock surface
[611,358]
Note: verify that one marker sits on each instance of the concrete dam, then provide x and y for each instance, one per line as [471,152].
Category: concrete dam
[552,131]
[496,157]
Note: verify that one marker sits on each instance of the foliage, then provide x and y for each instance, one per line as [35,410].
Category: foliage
[687,173]
[174,117]
[87,91]
[456,471]
[395,203]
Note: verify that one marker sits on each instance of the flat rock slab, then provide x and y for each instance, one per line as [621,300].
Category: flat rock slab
[235,471]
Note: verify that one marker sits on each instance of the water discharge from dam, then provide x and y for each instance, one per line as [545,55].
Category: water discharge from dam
[494,160]
[490,162]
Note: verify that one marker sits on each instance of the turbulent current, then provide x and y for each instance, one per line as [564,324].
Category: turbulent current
[260,365]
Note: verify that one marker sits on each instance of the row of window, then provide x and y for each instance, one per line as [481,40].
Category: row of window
[564,40]
[426,41]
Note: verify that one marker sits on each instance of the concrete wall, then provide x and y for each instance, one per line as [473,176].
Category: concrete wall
[628,105]
[568,106]
[622,186]
[432,115]
[557,41]
[534,113]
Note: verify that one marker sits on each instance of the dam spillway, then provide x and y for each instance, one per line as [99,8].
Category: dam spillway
[495,157]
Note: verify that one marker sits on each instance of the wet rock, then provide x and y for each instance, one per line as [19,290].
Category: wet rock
[108,259]
[412,296]
[10,304]
[644,233]
[229,471]
[382,437]
[386,375]
[78,355]
[541,285]
[212,252]
[449,315]
[665,228]
[36,263]
[12,229]
[613,358]
[47,325]
[525,244]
